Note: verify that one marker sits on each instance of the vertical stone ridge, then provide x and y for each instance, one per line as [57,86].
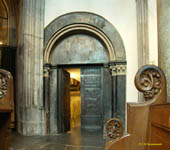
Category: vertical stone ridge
[35,49]
[142,32]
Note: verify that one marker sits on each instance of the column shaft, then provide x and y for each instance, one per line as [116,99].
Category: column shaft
[30,67]
[142,32]
[142,35]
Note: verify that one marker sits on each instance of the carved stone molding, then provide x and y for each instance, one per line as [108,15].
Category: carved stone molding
[114,128]
[118,70]
[149,81]
[3,85]
[46,72]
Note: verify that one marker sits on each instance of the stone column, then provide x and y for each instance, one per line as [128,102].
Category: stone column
[142,32]
[46,102]
[118,71]
[30,110]
[164,39]
[142,35]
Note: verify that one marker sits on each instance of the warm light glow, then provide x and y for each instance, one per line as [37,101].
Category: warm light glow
[75,76]
[1,43]
[72,75]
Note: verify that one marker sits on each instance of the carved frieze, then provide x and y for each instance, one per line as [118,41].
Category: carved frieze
[118,70]
[3,85]
[114,128]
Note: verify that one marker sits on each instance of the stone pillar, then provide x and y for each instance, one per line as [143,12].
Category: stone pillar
[46,102]
[142,32]
[118,71]
[30,110]
[142,35]
[164,39]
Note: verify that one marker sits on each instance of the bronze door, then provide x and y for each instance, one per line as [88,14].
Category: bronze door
[107,94]
[91,98]
[63,101]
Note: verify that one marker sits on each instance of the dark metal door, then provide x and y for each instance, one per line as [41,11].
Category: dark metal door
[91,98]
[107,95]
[63,101]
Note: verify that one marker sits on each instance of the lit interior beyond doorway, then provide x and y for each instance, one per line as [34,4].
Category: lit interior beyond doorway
[75,98]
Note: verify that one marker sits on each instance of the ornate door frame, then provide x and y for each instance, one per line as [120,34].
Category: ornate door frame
[102,29]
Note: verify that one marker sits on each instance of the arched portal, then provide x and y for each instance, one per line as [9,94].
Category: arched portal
[88,42]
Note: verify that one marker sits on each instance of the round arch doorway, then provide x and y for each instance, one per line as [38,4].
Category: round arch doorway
[89,42]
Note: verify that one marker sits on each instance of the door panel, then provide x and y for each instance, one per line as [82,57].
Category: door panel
[63,101]
[91,98]
[107,98]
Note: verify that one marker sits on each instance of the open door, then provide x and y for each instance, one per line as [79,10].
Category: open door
[92,98]
[63,101]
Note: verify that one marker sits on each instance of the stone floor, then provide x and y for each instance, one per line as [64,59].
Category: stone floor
[74,140]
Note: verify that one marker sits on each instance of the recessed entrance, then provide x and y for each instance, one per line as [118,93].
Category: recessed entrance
[68,99]
[75,97]
[80,97]
[87,43]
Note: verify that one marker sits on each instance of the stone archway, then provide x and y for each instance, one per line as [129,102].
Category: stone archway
[85,21]
[107,45]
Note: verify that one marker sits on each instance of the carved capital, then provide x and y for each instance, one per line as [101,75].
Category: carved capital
[3,85]
[113,70]
[46,71]
[114,128]
[149,80]
[118,70]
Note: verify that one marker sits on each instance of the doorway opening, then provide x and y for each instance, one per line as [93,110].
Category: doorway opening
[80,98]
[69,99]
[75,98]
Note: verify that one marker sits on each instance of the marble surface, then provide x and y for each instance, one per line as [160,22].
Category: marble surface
[75,140]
